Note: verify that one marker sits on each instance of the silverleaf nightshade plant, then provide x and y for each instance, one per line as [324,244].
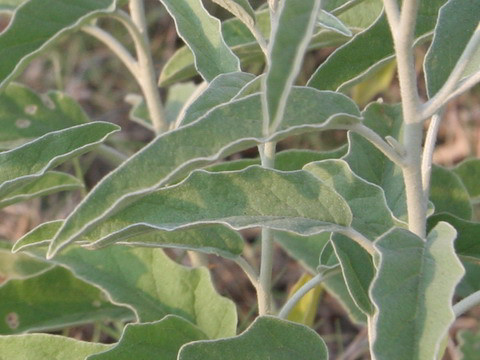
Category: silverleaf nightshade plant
[383,229]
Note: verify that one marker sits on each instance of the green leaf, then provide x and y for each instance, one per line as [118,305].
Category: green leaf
[51,182]
[371,164]
[469,173]
[248,198]
[291,34]
[240,9]
[53,300]
[469,344]
[22,41]
[152,285]
[450,39]
[222,89]
[361,15]
[467,245]
[181,67]
[31,161]
[26,115]
[413,293]
[266,338]
[328,21]
[160,340]
[367,50]
[201,32]
[448,194]
[47,347]
[18,266]
[214,239]
[224,130]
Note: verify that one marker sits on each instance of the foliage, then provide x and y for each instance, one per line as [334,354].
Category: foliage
[379,227]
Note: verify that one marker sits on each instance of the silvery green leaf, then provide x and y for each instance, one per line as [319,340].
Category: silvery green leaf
[240,9]
[328,21]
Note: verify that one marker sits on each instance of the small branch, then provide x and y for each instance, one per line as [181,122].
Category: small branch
[393,14]
[290,304]
[465,85]
[249,271]
[435,103]
[113,156]
[466,304]
[428,148]
[147,77]
[359,239]
[379,143]
[118,49]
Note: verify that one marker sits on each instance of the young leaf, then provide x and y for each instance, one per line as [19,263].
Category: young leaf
[292,30]
[26,115]
[51,182]
[367,50]
[413,292]
[267,337]
[152,285]
[449,40]
[31,161]
[53,300]
[230,127]
[160,340]
[221,90]
[240,9]
[201,32]
[21,41]
[469,173]
[47,347]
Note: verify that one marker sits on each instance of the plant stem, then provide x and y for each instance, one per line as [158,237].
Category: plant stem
[264,290]
[379,143]
[146,73]
[467,303]
[435,103]
[428,149]
[403,37]
[198,259]
[359,239]
[273,4]
[249,271]
[290,304]
[393,14]
[110,154]
[465,85]
[114,45]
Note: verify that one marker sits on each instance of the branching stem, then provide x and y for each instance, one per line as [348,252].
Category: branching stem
[146,76]
[428,149]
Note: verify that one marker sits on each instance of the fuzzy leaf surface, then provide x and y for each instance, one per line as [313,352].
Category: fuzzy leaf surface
[201,32]
[449,40]
[53,300]
[18,266]
[153,286]
[39,23]
[30,161]
[225,130]
[267,337]
[469,173]
[240,9]
[413,292]
[291,33]
[51,182]
[160,340]
[27,115]
[368,49]
[47,347]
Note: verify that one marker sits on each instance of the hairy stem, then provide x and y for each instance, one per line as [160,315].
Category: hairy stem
[248,270]
[467,303]
[428,149]
[113,156]
[118,49]
[403,37]
[146,75]
[264,290]
[290,304]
